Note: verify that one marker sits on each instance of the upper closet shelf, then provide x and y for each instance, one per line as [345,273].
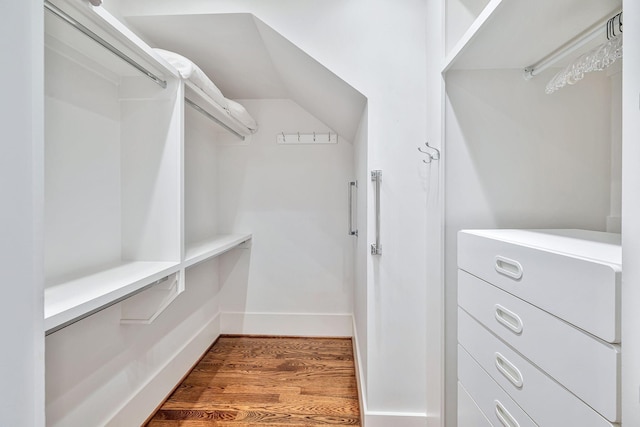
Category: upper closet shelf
[203,95]
[73,300]
[102,42]
[515,34]
[204,104]
[219,244]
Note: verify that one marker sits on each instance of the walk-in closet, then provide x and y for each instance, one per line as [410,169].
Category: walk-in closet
[423,211]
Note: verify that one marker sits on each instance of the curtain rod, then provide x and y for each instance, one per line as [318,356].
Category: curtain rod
[84,30]
[211,117]
[599,29]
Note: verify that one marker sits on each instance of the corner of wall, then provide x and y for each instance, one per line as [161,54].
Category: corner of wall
[152,394]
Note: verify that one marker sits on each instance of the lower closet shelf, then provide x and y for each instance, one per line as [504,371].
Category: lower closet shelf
[73,300]
[213,247]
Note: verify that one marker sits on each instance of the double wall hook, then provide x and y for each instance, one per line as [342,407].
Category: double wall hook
[432,153]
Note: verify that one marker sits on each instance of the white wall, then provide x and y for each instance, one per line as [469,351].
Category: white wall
[378,47]
[460,14]
[82,170]
[361,248]
[201,220]
[518,158]
[293,198]
[21,189]
[433,182]
[630,215]
[100,371]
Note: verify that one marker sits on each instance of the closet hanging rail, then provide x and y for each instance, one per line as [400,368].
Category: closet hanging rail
[105,306]
[610,27]
[211,117]
[93,36]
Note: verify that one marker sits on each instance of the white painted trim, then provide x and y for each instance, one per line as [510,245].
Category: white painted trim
[360,377]
[147,398]
[378,418]
[395,419]
[292,324]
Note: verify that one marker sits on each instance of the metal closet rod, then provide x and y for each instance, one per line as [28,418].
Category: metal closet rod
[211,117]
[93,36]
[599,29]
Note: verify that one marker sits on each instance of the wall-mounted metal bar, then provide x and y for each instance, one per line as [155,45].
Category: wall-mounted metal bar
[353,187]
[376,177]
[211,117]
[105,306]
[93,36]
[599,30]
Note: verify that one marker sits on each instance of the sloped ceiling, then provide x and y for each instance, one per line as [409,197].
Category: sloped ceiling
[247,59]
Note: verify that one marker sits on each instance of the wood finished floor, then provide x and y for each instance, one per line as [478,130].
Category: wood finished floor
[267,381]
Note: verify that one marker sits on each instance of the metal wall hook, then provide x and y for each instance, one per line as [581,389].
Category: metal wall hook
[431,152]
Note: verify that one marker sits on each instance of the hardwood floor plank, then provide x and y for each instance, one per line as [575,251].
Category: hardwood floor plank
[267,381]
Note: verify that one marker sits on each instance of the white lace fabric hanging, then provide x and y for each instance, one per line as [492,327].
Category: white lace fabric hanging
[597,59]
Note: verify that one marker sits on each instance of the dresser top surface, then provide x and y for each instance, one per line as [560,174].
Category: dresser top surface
[589,244]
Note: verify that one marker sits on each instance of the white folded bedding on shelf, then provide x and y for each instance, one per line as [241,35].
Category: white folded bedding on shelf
[190,71]
[241,114]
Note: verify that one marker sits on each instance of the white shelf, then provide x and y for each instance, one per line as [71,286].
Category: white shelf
[202,100]
[99,21]
[515,34]
[73,300]
[202,251]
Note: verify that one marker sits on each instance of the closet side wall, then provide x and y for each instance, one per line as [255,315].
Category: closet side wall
[434,178]
[518,158]
[297,277]
[630,214]
[361,246]
[21,189]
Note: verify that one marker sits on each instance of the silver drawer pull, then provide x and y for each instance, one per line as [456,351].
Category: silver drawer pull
[509,319]
[508,267]
[509,370]
[504,416]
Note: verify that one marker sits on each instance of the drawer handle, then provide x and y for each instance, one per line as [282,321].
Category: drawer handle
[508,267]
[509,370]
[504,416]
[509,319]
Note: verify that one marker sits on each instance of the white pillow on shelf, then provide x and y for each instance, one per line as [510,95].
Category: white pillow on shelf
[188,70]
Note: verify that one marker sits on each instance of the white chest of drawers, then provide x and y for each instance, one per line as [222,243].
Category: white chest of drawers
[539,320]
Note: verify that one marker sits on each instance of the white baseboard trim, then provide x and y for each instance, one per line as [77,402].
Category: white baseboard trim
[292,324]
[377,418]
[395,419]
[147,398]
[360,377]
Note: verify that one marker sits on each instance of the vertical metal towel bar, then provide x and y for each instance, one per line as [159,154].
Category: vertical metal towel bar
[376,177]
[353,185]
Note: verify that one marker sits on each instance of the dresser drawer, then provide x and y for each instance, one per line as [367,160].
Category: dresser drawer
[588,367]
[573,274]
[543,399]
[493,401]
[469,415]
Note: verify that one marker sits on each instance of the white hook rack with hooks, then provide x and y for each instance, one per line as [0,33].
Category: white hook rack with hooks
[307,138]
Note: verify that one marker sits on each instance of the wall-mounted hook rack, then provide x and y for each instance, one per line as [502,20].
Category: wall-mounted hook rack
[432,153]
[307,138]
